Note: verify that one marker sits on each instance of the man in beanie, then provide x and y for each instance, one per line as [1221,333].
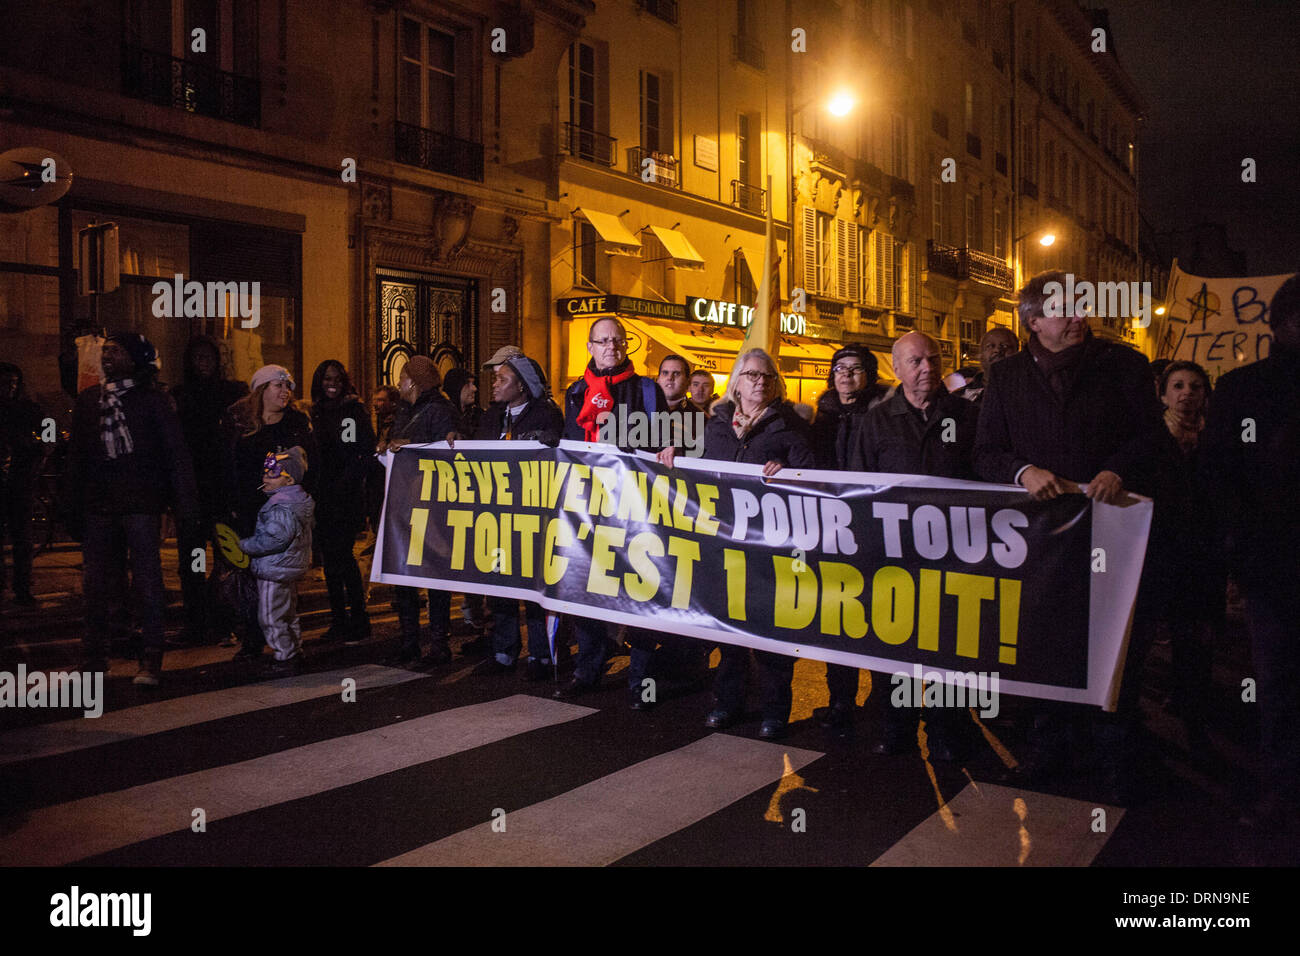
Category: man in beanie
[521,410]
[127,463]
[280,547]
[427,417]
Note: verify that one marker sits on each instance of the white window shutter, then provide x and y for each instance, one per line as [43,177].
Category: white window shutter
[849,255]
[886,272]
[905,278]
[809,249]
[865,291]
[841,259]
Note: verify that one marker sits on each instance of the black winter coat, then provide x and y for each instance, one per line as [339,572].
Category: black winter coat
[343,464]
[833,420]
[157,475]
[541,420]
[629,393]
[248,455]
[1101,425]
[1253,483]
[893,438]
[428,420]
[780,436]
[201,406]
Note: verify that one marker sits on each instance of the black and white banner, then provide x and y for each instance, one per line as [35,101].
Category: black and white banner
[876,571]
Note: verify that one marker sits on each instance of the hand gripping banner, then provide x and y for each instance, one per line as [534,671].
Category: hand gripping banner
[886,572]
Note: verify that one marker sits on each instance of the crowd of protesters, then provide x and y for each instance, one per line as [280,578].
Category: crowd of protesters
[245,470]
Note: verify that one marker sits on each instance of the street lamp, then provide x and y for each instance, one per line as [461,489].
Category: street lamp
[1047,238]
[841,103]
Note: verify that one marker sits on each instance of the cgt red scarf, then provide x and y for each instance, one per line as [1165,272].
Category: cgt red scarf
[599,398]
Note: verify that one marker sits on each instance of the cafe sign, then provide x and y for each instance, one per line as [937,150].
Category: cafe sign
[717,312]
[593,305]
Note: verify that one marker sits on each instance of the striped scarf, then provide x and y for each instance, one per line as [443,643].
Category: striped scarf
[112,418]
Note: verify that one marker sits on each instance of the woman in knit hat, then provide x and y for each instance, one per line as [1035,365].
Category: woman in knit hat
[263,422]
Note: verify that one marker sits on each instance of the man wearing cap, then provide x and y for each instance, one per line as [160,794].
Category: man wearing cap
[127,463]
[521,410]
[427,417]
[609,386]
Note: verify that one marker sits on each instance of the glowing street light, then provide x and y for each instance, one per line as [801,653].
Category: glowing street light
[1048,239]
[840,104]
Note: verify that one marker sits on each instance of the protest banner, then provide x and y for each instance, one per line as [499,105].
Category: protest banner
[1220,324]
[868,570]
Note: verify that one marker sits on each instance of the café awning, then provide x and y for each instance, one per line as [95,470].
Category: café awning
[611,231]
[678,248]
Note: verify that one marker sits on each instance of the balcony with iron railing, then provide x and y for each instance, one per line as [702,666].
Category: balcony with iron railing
[1029,188]
[653,167]
[963,262]
[748,198]
[164,80]
[439,152]
[589,145]
[902,189]
[665,10]
[973,145]
[748,50]
[1000,162]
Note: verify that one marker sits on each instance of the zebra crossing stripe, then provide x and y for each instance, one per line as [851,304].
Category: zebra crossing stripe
[602,821]
[1001,826]
[83,828]
[65,736]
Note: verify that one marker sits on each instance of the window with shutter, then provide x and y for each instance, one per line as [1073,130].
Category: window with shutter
[865,293]
[827,278]
[849,257]
[809,248]
[884,253]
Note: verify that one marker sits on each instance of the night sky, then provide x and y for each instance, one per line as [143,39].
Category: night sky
[1221,81]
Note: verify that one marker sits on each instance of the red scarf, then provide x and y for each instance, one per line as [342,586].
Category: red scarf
[599,399]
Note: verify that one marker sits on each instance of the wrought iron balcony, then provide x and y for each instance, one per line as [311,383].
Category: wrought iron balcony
[963,262]
[1029,188]
[653,167]
[746,49]
[665,10]
[973,145]
[1000,162]
[939,123]
[194,87]
[749,198]
[429,149]
[869,175]
[589,145]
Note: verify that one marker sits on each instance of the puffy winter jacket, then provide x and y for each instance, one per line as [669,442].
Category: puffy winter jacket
[281,545]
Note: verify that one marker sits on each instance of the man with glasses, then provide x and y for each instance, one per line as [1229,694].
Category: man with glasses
[609,386]
[1069,415]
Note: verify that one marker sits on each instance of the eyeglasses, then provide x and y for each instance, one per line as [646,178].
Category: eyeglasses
[608,341]
[848,369]
[756,376]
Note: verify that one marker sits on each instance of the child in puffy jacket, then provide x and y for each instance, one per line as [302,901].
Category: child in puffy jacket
[280,547]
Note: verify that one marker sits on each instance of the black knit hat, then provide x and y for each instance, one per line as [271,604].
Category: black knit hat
[143,355]
[454,382]
[860,353]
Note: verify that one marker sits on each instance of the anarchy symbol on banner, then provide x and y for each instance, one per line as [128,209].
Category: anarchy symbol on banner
[228,542]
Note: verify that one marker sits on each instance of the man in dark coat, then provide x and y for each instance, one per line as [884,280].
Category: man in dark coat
[428,418]
[126,465]
[921,430]
[201,400]
[1070,410]
[521,410]
[1250,459]
[609,387]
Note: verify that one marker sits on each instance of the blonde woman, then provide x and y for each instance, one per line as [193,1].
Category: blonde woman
[754,424]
